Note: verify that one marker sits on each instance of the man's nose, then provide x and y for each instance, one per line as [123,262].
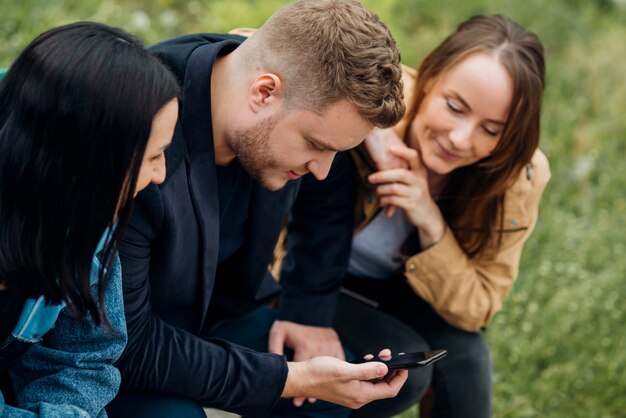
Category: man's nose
[320,166]
[158,175]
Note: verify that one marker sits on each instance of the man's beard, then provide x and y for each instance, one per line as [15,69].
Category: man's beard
[251,147]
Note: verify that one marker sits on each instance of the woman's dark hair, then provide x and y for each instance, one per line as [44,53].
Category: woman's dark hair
[473,199]
[76,110]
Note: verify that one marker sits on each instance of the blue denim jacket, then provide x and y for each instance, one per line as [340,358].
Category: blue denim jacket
[67,370]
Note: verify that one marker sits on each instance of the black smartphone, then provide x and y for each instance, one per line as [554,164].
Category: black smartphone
[407,360]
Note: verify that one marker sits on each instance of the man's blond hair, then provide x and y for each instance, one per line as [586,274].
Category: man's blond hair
[328,50]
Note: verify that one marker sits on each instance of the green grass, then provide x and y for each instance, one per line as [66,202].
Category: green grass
[558,344]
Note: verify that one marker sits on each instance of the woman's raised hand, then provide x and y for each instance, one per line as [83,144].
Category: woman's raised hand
[379,143]
[407,188]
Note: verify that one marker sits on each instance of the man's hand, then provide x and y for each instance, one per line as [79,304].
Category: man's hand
[306,342]
[333,380]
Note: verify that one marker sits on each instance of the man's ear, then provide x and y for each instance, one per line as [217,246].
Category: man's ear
[265,90]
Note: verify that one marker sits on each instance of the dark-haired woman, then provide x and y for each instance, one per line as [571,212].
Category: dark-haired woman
[85,115]
[466,199]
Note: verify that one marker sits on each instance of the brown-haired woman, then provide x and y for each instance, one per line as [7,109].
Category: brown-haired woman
[465,184]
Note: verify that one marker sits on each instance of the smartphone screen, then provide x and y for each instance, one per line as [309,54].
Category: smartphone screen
[407,360]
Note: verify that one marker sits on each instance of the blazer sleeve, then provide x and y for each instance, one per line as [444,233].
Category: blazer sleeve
[163,358]
[468,292]
[319,237]
[71,373]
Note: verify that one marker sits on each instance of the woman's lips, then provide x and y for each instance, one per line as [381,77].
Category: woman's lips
[445,154]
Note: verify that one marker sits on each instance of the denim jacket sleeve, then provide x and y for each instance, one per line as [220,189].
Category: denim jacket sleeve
[70,373]
[44,409]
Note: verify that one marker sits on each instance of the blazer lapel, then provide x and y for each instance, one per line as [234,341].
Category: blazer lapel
[201,171]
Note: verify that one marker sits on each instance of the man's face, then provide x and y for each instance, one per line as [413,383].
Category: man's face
[290,144]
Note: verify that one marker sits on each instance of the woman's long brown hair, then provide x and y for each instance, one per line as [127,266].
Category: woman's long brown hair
[472,201]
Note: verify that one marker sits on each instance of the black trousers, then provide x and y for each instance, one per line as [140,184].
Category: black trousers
[365,330]
[461,382]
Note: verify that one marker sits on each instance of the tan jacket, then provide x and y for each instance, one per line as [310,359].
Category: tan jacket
[466,293]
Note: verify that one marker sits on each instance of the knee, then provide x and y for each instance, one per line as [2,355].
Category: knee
[472,358]
[419,379]
[286,409]
[462,382]
[144,405]
[468,366]
[415,386]
[409,395]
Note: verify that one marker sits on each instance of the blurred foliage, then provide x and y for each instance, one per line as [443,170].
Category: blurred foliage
[558,344]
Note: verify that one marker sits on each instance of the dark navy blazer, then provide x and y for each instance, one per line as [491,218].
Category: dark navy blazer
[173,288]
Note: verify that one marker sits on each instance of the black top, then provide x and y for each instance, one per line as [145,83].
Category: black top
[234,188]
[10,308]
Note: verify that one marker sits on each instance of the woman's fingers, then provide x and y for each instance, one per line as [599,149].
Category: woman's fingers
[404,203]
[398,175]
[378,143]
[396,189]
[390,210]
[401,188]
[410,155]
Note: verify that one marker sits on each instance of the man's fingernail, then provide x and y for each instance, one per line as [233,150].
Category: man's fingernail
[379,370]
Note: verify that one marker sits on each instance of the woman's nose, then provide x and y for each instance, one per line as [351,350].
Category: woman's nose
[461,136]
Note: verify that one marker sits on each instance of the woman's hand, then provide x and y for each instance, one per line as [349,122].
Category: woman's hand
[379,143]
[408,190]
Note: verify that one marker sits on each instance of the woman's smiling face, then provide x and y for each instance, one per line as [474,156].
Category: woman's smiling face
[463,113]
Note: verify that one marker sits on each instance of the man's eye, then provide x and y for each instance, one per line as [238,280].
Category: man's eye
[314,146]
